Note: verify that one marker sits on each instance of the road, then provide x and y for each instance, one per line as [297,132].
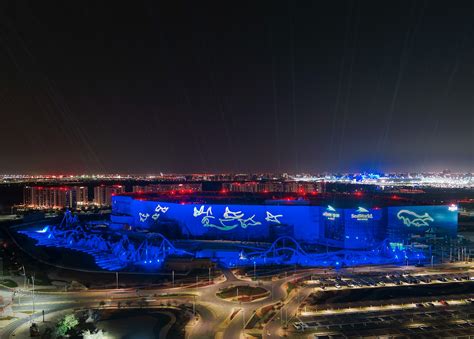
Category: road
[214,312]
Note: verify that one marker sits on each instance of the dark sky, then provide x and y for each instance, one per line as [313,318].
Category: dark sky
[240,86]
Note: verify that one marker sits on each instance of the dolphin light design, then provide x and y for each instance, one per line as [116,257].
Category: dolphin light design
[410,218]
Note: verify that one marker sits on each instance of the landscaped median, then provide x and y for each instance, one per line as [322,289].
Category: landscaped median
[262,316]
[8,283]
[243,293]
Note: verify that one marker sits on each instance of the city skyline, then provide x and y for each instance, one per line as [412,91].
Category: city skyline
[334,87]
[252,169]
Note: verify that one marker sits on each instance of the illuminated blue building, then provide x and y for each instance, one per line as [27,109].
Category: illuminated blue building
[257,218]
[248,229]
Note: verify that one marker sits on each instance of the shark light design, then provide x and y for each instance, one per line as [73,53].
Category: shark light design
[200,211]
[273,218]
[229,221]
[410,218]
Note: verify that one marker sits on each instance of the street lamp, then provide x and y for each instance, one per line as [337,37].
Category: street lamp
[33,281]
[24,276]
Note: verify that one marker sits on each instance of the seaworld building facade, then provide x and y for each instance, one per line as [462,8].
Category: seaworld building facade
[344,224]
[242,229]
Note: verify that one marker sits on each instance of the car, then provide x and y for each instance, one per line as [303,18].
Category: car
[420,265]
[419,305]
[299,325]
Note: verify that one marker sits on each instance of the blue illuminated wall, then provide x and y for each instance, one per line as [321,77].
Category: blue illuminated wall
[218,221]
[407,221]
[357,228]
[363,227]
[332,222]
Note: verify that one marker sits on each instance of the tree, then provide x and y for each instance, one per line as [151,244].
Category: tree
[66,324]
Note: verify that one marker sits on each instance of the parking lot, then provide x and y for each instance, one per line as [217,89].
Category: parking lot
[391,279]
[425,321]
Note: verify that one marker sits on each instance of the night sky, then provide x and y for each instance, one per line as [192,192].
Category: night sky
[236,86]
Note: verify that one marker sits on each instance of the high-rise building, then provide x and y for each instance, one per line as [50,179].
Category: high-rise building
[273,186]
[183,188]
[103,194]
[50,197]
[82,195]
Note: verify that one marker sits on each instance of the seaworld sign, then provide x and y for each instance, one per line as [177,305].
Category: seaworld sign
[362,215]
[331,213]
